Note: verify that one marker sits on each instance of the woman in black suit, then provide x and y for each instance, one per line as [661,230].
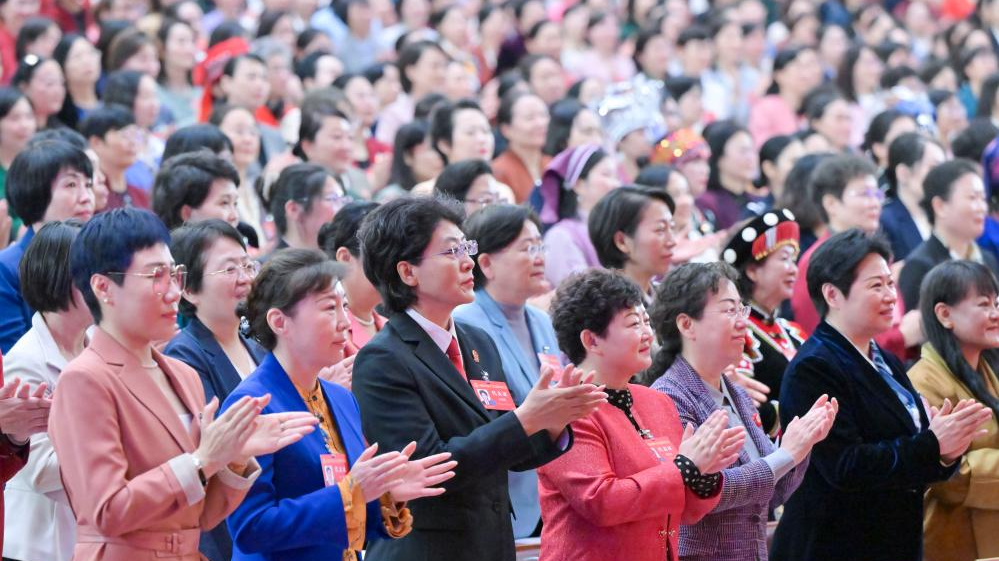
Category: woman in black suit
[862,496]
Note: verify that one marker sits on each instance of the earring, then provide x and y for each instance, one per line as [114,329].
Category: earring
[106,300]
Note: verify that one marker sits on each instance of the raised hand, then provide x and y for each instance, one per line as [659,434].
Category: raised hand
[377,474]
[713,446]
[23,412]
[802,433]
[552,407]
[955,427]
[421,476]
[223,439]
[341,373]
[274,431]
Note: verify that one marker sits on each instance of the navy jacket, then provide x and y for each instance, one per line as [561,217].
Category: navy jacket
[15,315]
[900,228]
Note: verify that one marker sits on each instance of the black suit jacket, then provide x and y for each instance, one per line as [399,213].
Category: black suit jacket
[862,496]
[927,255]
[408,390]
[196,346]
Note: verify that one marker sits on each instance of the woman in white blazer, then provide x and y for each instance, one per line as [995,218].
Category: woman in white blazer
[39,524]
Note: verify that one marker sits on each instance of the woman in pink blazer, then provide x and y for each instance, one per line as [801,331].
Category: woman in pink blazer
[633,474]
[145,464]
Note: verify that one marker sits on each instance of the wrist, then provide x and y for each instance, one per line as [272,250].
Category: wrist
[207,467]
[526,421]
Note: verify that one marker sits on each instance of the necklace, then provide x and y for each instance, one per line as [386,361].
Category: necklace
[365,323]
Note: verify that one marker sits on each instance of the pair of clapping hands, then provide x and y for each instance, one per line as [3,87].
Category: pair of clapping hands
[23,411]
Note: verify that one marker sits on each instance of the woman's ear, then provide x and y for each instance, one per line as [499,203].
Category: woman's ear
[685,325]
[942,311]
[277,321]
[832,295]
[100,285]
[591,343]
[185,213]
[485,262]
[343,255]
[407,274]
[623,243]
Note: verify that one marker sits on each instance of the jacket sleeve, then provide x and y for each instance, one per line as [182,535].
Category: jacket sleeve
[394,413]
[12,459]
[844,459]
[585,479]
[12,322]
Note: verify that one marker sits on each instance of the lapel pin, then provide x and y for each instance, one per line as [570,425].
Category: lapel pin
[475,356]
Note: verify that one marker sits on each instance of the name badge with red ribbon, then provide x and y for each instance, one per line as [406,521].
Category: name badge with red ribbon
[334,468]
[494,396]
[662,448]
[550,360]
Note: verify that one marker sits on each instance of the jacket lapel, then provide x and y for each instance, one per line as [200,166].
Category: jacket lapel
[436,361]
[187,397]
[345,425]
[521,379]
[760,439]
[684,373]
[228,377]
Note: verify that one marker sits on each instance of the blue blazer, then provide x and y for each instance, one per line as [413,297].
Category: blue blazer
[900,228]
[289,514]
[15,315]
[521,374]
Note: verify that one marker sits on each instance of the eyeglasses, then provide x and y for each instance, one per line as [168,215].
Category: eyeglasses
[162,277]
[464,249]
[535,249]
[337,201]
[486,199]
[250,269]
[737,312]
[869,193]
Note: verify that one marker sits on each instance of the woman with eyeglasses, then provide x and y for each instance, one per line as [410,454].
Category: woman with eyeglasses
[145,463]
[304,197]
[700,321]
[511,270]
[219,276]
[470,182]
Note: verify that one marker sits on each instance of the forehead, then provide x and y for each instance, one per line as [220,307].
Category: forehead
[726,293]
[157,254]
[871,266]
[445,232]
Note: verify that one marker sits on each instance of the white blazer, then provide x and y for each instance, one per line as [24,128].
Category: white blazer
[38,522]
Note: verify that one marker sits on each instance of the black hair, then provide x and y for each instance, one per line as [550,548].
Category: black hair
[717,135]
[656,176]
[9,98]
[410,55]
[397,231]
[535,29]
[46,283]
[301,183]
[409,136]
[504,115]
[60,134]
[678,86]
[437,16]
[315,110]
[307,66]
[685,290]
[196,137]
[186,180]
[817,101]
[342,230]
[563,115]
[124,46]
[107,243]
[908,149]
[442,122]
[495,227]
[987,99]
[785,57]
[939,182]
[163,34]
[189,246]
[32,29]
[621,210]
[835,262]
[226,30]
[528,62]
[26,69]
[971,142]
[375,71]
[32,174]
[880,125]
[456,179]
[121,87]
[844,77]
[692,33]
[427,104]
[949,283]
[568,202]
[307,36]
[832,175]
[268,19]
[771,151]
[937,97]
[893,76]
[68,114]
[968,56]
[285,280]
[797,196]
[932,68]
[109,29]
[342,8]
[588,301]
[642,39]
[102,120]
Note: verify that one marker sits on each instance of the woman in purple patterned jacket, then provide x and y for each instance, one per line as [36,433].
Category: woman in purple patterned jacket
[700,322]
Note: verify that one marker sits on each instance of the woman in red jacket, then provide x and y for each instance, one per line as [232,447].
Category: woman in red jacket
[633,474]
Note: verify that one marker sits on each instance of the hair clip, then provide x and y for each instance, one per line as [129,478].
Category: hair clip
[31,59]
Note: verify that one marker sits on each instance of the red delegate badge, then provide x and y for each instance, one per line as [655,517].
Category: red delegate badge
[494,396]
[662,448]
[334,468]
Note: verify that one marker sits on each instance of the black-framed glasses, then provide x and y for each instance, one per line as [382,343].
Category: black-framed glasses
[463,249]
[249,269]
[161,277]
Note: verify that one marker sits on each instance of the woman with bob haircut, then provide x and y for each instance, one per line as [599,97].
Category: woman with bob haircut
[634,473]
[145,464]
[304,197]
[40,522]
[959,362]
[329,493]
[700,322]
[632,230]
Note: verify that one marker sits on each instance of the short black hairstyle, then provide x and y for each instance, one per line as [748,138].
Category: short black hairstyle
[409,136]
[31,30]
[107,243]
[971,142]
[589,300]
[186,180]
[442,122]
[398,231]
[495,227]
[188,245]
[692,33]
[121,87]
[103,120]
[835,262]
[302,183]
[908,149]
[285,280]
[563,115]
[196,137]
[410,55]
[880,125]
[307,66]
[621,211]
[46,283]
[33,172]
[316,109]
[939,182]
[832,174]
[342,230]
[456,179]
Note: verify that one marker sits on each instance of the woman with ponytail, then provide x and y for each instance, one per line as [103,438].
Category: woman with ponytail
[959,360]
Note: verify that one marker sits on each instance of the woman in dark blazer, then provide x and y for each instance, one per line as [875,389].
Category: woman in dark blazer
[862,496]
[219,274]
[325,496]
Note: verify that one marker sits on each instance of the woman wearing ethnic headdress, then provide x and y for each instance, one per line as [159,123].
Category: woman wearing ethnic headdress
[764,251]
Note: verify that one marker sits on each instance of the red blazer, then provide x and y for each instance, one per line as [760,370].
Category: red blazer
[12,459]
[609,497]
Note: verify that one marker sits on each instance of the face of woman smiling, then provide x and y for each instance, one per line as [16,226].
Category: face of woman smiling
[625,348]
[721,330]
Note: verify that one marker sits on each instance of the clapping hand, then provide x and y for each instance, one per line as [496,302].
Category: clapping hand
[553,406]
[421,476]
[713,446]
[341,373]
[23,412]
[223,439]
[955,427]
[274,431]
[803,433]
